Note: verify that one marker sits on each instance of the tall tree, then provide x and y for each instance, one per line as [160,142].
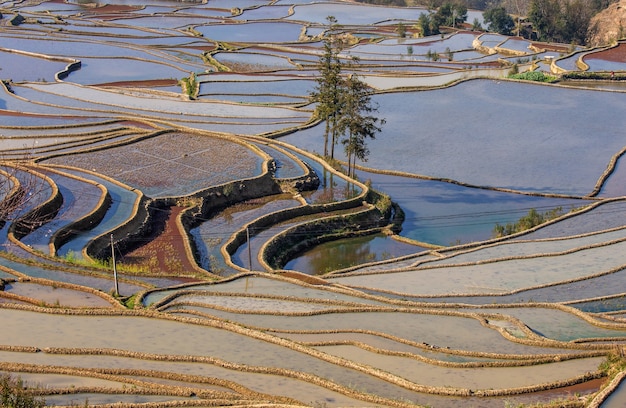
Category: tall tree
[545,15]
[427,25]
[328,88]
[499,20]
[577,16]
[357,122]
[562,20]
[450,14]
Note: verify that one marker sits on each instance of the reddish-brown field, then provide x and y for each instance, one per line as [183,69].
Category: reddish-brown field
[165,255]
[615,54]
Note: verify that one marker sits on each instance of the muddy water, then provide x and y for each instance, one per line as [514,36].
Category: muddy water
[57,296]
[473,378]
[300,390]
[306,393]
[248,304]
[381,343]
[558,325]
[438,331]
[165,337]
[262,285]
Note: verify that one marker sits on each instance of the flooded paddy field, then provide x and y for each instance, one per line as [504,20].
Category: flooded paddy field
[171,234]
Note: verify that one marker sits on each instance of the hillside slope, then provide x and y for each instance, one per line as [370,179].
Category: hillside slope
[608,25]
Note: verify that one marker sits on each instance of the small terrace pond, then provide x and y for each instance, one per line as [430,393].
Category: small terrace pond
[252,32]
[353,14]
[347,252]
[436,212]
[443,213]
[29,68]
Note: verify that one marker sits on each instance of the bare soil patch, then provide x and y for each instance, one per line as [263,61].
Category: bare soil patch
[165,255]
[615,54]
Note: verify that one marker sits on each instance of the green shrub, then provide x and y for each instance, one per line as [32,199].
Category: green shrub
[228,189]
[14,394]
[537,76]
[401,30]
[530,220]
[593,75]
[189,85]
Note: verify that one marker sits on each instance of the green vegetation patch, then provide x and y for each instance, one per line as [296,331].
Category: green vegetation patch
[530,220]
[13,393]
[536,76]
[594,76]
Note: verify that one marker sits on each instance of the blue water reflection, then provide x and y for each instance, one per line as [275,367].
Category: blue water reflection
[496,133]
[444,213]
[617,399]
[348,252]
[602,306]
[252,32]
[120,210]
[615,185]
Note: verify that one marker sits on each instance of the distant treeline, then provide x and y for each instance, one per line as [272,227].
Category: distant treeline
[433,4]
[564,21]
[512,6]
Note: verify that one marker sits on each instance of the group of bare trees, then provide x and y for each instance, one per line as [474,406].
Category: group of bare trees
[343,102]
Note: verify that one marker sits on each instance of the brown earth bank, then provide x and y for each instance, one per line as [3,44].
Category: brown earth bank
[312,280]
[550,47]
[585,388]
[133,123]
[113,8]
[164,255]
[149,83]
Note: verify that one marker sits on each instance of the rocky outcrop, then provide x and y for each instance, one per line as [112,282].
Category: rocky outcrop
[609,25]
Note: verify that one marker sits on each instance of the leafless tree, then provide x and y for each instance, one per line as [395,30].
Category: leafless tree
[21,190]
[519,8]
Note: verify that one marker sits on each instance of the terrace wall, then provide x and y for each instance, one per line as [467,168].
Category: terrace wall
[74,66]
[214,199]
[124,235]
[207,203]
[66,233]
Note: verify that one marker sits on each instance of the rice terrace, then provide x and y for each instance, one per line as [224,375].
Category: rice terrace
[180,226]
